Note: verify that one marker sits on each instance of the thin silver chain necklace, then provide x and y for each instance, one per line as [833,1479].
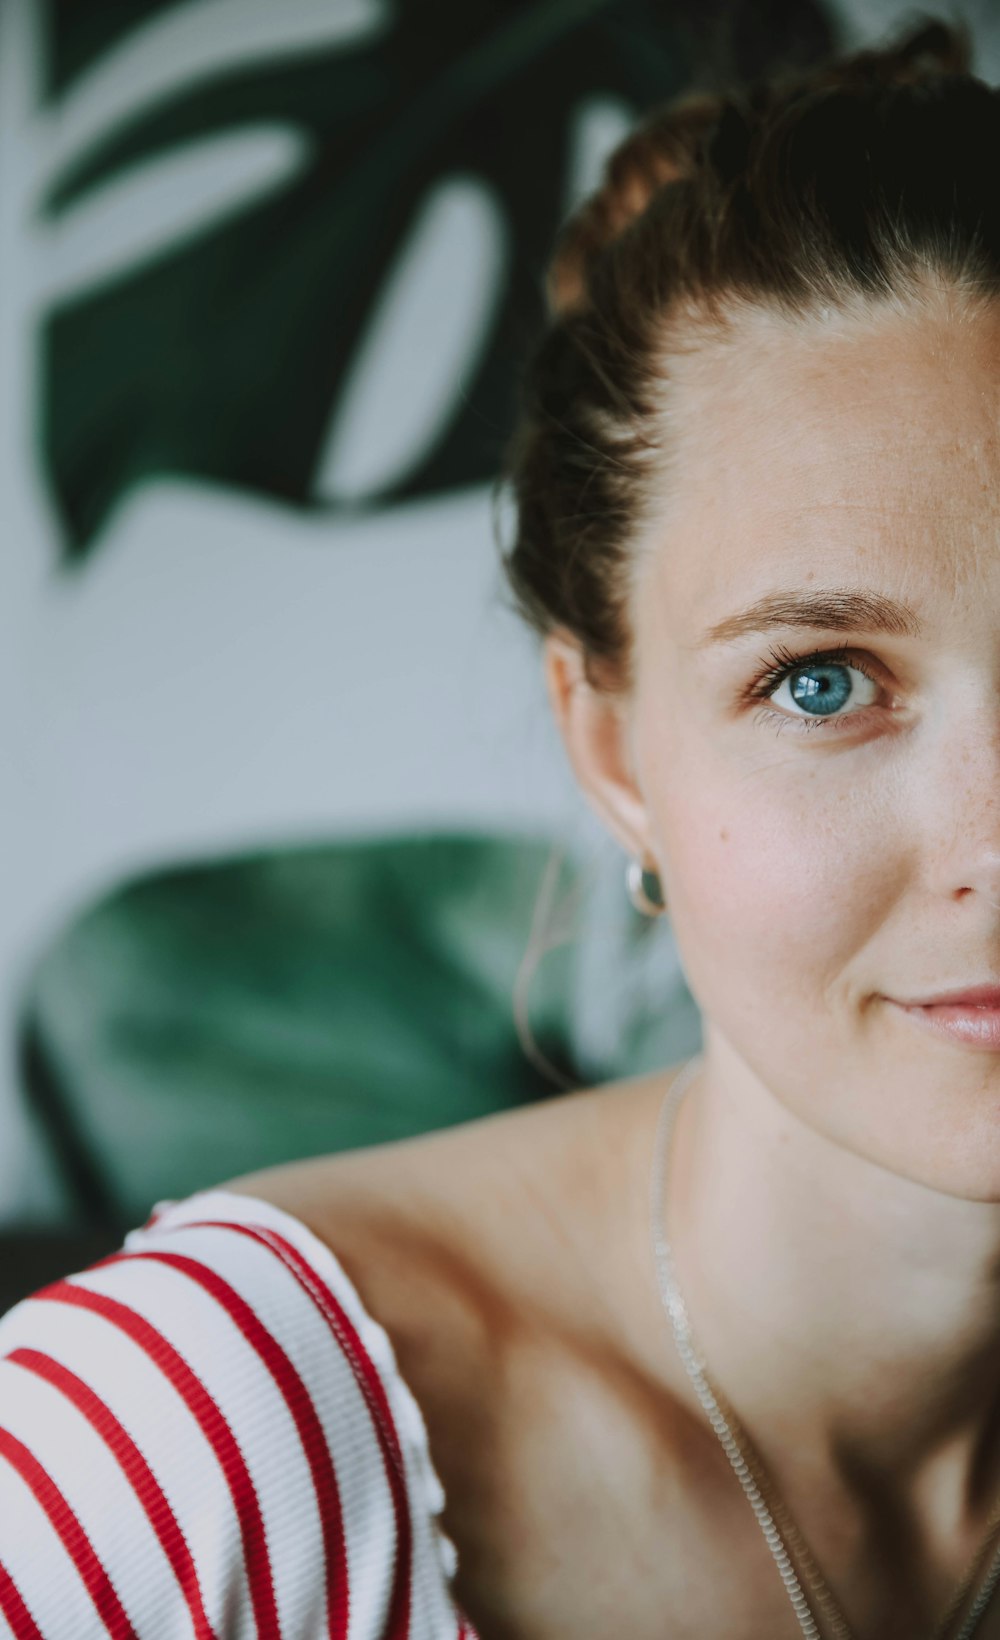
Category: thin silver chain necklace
[745,1464]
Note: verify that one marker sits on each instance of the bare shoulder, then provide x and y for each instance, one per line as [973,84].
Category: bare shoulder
[461,1235]
[503,1256]
[505,1191]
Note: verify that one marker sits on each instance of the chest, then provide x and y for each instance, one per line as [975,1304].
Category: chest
[604,1578]
[585,1515]
[573,1512]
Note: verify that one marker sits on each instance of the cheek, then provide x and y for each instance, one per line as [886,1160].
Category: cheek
[776,880]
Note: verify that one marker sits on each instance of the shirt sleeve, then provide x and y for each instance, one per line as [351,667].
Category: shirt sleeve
[205,1435]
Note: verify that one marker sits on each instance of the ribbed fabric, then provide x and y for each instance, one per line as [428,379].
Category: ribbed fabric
[206,1437]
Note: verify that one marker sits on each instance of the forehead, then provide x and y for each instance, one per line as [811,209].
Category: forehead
[832,450]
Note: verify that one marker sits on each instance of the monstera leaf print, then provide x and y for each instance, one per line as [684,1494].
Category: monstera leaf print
[246,201]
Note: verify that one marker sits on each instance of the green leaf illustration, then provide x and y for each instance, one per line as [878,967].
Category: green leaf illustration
[226,340]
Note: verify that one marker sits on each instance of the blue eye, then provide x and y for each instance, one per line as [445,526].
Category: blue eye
[820,686]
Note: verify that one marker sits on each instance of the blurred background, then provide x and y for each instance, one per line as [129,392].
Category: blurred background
[283,800]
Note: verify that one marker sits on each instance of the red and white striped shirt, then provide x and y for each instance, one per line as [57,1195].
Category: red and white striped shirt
[206,1437]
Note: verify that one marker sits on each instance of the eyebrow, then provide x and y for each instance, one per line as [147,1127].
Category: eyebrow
[837,609]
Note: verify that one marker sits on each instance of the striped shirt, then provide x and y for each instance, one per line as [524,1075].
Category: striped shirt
[206,1437]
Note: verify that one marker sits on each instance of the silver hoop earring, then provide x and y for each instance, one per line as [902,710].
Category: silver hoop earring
[644,890]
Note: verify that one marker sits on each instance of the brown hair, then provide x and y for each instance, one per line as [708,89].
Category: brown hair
[865,179]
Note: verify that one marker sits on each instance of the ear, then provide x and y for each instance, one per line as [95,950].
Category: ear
[596,731]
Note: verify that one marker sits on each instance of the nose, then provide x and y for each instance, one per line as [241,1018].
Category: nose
[965,797]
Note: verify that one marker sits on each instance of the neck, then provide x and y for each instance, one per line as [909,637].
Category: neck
[850,1316]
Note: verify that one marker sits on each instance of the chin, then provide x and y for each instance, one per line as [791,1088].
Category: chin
[959,1158]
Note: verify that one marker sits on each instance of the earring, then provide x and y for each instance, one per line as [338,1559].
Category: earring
[644,890]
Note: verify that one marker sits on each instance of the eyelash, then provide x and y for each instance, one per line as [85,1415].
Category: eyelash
[787,663]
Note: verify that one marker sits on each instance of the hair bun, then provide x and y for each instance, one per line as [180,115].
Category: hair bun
[932,49]
[718,129]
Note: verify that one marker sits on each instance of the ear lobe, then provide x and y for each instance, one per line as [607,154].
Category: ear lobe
[596,731]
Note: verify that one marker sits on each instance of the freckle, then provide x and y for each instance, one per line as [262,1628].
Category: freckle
[724,835]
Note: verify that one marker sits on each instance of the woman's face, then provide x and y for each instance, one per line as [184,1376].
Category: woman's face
[822,854]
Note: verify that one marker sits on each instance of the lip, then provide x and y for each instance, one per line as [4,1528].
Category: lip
[968,996]
[971,1023]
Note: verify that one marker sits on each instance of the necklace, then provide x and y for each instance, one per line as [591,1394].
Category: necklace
[777,1526]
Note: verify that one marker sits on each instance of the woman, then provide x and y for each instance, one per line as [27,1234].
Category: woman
[462,1383]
